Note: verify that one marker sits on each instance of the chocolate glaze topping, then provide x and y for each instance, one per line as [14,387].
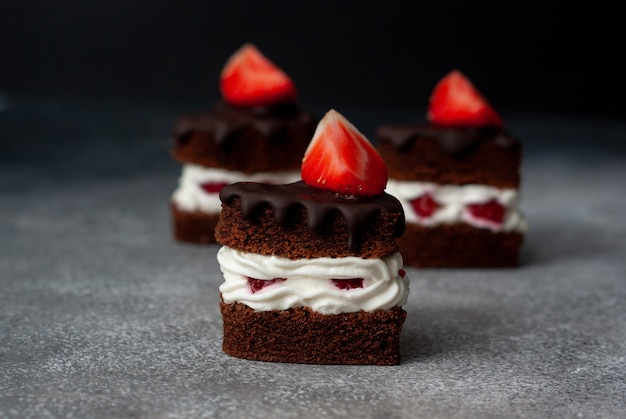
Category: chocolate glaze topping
[319,204]
[225,121]
[452,140]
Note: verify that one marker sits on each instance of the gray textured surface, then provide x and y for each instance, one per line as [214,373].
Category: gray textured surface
[103,315]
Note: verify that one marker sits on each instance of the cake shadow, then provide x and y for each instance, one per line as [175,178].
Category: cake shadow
[415,346]
[440,331]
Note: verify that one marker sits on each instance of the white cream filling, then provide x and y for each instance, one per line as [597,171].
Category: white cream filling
[309,282]
[189,196]
[453,201]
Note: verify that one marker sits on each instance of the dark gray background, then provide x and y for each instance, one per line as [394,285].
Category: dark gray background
[526,56]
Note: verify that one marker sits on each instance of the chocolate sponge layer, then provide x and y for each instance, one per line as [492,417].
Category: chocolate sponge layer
[459,245]
[193,226]
[246,140]
[450,155]
[300,335]
[262,233]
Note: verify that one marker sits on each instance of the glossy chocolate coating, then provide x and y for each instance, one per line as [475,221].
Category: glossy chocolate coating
[225,122]
[452,140]
[358,212]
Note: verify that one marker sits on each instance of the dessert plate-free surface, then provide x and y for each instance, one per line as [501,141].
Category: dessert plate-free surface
[103,314]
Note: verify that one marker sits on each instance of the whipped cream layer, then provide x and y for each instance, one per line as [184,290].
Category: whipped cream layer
[190,196]
[308,282]
[453,201]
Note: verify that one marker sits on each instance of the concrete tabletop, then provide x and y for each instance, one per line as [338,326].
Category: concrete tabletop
[103,314]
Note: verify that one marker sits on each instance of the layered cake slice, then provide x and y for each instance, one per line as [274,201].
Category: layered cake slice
[257,132]
[458,179]
[312,272]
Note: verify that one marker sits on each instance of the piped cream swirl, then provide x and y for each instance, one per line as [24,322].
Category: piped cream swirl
[453,201]
[309,282]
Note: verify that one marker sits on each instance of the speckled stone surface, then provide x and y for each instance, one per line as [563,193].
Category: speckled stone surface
[102,314]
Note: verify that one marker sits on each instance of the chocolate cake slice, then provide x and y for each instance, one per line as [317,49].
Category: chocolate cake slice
[312,275]
[236,140]
[458,179]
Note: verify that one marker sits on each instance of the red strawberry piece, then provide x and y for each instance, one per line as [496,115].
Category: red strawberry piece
[213,187]
[402,273]
[259,284]
[250,79]
[491,211]
[340,159]
[348,284]
[424,205]
[455,102]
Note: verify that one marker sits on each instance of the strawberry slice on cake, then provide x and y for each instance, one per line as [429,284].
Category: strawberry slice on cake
[250,79]
[340,159]
[455,102]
